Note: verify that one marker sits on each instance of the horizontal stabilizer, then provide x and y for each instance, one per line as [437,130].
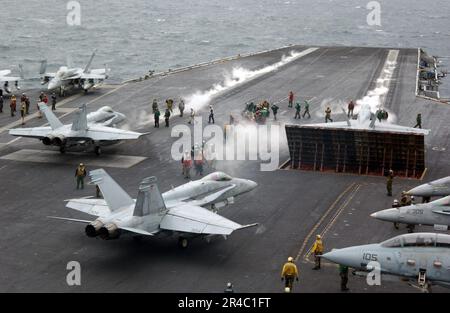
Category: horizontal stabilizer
[96,207]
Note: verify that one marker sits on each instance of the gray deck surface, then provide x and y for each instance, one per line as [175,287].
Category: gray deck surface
[291,206]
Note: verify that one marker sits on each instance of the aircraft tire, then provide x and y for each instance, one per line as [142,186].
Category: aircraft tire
[183,242]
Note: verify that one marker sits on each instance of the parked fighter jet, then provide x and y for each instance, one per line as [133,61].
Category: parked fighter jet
[436,188]
[80,132]
[7,79]
[180,211]
[436,213]
[421,257]
[366,120]
[67,78]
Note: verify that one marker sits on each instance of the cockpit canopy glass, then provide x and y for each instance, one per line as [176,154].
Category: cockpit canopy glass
[218,176]
[418,240]
[107,109]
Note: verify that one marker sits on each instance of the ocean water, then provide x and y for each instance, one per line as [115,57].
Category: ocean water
[135,36]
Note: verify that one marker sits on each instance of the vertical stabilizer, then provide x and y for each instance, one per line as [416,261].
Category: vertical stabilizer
[80,119]
[149,200]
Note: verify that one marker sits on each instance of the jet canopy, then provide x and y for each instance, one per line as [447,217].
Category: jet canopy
[107,109]
[418,240]
[218,176]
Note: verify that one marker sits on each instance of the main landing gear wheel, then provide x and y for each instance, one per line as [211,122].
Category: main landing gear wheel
[182,242]
[98,150]
[62,149]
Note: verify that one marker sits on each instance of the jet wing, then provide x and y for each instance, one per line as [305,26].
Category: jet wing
[71,77]
[9,79]
[96,207]
[92,76]
[5,72]
[197,220]
[49,75]
[34,132]
[99,132]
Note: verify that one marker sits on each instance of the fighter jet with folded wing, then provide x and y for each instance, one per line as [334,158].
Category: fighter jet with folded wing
[80,132]
[422,257]
[67,78]
[181,211]
[436,214]
[435,188]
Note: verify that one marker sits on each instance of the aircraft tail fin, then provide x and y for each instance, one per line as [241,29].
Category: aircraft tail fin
[43,67]
[54,122]
[88,65]
[80,119]
[149,199]
[113,194]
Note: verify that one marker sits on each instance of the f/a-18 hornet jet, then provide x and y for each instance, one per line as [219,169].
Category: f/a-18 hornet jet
[68,77]
[81,132]
[183,211]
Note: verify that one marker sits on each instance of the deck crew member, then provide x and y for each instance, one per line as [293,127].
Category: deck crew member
[211,115]
[343,273]
[166,117]
[298,108]
[317,250]
[390,179]
[181,107]
[328,115]
[306,110]
[291,99]
[418,121]
[289,273]
[351,107]
[275,111]
[156,115]
[80,174]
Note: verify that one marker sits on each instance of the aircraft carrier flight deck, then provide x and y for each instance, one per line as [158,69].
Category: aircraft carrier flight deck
[291,206]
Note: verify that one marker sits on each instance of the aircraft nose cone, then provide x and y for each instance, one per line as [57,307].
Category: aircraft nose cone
[350,256]
[335,256]
[425,190]
[390,215]
[252,185]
